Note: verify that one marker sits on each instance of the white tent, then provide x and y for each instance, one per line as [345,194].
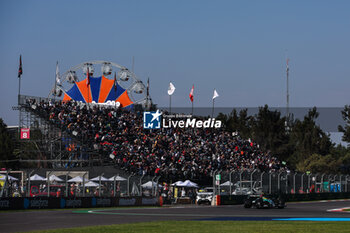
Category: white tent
[3,177]
[188,184]
[148,185]
[91,184]
[54,178]
[36,177]
[227,183]
[97,178]
[77,179]
[117,178]
[177,183]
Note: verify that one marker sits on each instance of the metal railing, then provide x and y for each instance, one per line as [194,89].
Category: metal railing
[109,184]
[61,184]
[255,181]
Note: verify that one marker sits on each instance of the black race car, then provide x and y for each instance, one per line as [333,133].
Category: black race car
[263,202]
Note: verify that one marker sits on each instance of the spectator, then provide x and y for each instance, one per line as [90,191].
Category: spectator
[173,153]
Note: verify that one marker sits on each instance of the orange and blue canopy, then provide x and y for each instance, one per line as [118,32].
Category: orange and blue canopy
[100,90]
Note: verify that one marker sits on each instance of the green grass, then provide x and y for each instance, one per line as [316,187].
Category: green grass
[214,226]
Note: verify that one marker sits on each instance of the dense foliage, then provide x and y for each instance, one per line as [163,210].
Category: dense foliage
[346,117]
[12,149]
[303,145]
[6,144]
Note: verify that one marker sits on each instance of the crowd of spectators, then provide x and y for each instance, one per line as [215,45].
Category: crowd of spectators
[172,153]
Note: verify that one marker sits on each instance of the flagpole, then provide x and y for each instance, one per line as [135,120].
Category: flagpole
[171,90]
[19,89]
[89,95]
[88,77]
[54,91]
[20,71]
[115,88]
[213,108]
[192,108]
[19,107]
[212,111]
[193,99]
[287,109]
[170,104]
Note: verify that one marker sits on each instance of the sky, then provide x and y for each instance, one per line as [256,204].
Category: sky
[237,47]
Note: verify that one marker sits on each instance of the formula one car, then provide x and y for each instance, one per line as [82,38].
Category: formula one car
[263,202]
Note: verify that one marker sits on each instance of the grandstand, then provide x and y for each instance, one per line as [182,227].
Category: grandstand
[99,123]
[116,137]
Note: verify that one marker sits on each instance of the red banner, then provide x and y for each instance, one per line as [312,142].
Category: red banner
[25,133]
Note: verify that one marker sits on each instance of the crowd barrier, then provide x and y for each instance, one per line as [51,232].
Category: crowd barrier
[239,199]
[18,203]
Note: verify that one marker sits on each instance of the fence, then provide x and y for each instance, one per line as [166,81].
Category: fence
[112,184]
[70,184]
[255,181]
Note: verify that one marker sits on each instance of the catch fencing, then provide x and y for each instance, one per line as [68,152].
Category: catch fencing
[77,184]
[112,184]
[255,181]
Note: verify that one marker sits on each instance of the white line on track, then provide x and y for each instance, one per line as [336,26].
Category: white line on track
[340,210]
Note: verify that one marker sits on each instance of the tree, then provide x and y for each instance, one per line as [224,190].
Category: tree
[345,163]
[223,118]
[268,130]
[317,163]
[6,144]
[240,122]
[308,138]
[305,146]
[34,149]
[346,130]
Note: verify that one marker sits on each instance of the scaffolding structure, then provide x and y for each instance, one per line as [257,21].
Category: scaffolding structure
[54,146]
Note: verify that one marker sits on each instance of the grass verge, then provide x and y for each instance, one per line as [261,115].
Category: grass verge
[214,226]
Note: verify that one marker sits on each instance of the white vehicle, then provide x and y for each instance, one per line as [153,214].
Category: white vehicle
[205,196]
[247,188]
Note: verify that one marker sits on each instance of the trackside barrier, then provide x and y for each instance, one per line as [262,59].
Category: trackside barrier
[232,199]
[78,202]
[316,196]
[218,200]
[161,201]
[239,199]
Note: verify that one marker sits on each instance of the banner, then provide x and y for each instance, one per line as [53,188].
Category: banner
[25,133]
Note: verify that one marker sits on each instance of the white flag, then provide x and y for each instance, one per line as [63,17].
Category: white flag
[171,89]
[58,80]
[215,94]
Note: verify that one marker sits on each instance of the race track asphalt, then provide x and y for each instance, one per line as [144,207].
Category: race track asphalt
[52,219]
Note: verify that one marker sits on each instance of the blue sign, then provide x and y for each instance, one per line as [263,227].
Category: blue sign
[151,120]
